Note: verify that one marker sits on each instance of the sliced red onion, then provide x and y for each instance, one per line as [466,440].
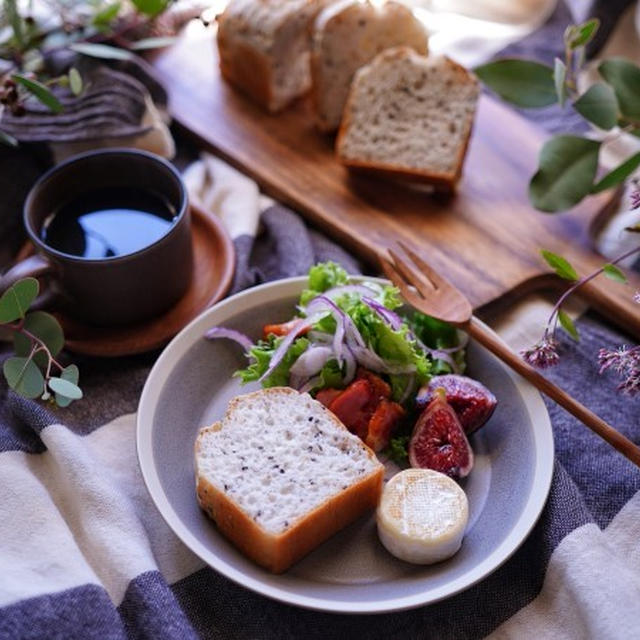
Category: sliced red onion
[311,384]
[309,364]
[222,332]
[436,354]
[408,389]
[396,322]
[371,360]
[463,341]
[351,365]
[320,337]
[320,304]
[390,317]
[362,289]
[282,349]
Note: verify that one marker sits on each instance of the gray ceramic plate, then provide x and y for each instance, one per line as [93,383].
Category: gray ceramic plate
[190,386]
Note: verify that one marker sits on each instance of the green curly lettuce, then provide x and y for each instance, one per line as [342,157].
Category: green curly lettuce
[261,357]
[395,346]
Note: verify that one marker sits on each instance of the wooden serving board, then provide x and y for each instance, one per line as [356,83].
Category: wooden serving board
[485,239]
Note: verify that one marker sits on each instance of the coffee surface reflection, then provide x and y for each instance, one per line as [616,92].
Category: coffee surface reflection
[104,223]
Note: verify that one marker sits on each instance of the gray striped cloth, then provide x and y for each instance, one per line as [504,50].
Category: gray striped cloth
[84,554]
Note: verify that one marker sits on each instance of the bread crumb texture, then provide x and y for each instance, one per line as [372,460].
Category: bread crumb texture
[411,112]
[348,35]
[279,455]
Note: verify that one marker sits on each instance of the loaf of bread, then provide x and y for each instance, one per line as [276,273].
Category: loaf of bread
[264,48]
[409,116]
[280,474]
[348,35]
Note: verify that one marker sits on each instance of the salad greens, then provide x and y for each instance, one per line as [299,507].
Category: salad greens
[343,326]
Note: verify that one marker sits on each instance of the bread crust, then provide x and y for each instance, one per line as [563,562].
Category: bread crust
[277,552]
[250,50]
[247,70]
[342,11]
[441,181]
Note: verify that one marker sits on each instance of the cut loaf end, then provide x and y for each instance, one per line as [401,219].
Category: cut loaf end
[280,474]
[409,116]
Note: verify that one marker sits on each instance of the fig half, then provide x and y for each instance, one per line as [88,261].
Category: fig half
[470,399]
[438,441]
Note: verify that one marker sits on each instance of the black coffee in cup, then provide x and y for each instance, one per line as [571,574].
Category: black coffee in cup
[112,232]
[108,222]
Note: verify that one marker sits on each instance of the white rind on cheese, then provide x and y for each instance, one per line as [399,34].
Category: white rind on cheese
[422,516]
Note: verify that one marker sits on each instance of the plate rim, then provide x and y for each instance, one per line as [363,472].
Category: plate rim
[541,480]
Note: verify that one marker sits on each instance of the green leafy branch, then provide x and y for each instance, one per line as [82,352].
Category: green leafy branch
[625,361]
[565,270]
[37,339]
[98,29]
[568,164]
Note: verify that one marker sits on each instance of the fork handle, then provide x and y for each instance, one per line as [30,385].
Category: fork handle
[487,338]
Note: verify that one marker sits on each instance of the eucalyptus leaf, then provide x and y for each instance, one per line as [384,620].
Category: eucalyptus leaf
[560,265]
[617,175]
[153,43]
[39,91]
[580,35]
[65,388]
[567,324]
[16,300]
[106,15]
[567,168]
[599,106]
[45,327]
[559,78]
[614,273]
[624,77]
[75,81]
[522,82]
[24,377]
[150,7]
[5,138]
[71,374]
[15,20]
[100,51]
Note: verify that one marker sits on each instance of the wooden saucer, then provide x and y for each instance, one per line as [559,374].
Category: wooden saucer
[213,267]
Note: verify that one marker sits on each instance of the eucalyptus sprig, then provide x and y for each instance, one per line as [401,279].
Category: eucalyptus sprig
[33,371]
[568,164]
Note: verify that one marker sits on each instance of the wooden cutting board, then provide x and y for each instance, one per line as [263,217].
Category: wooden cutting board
[485,239]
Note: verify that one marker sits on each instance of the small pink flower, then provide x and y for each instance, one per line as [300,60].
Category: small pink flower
[542,355]
[635,198]
[636,297]
[625,362]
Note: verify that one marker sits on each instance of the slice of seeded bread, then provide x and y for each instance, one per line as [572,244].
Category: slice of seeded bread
[280,474]
[346,36]
[264,48]
[409,116]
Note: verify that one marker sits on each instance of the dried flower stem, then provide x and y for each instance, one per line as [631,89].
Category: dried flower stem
[552,323]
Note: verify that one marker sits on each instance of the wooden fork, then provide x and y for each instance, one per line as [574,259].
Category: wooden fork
[432,294]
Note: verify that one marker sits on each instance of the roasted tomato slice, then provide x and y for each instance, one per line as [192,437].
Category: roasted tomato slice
[380,387]
[355,406]
[281,329]
[327,396]
[383,423]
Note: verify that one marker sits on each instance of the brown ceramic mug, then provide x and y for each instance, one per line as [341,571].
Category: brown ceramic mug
[116,289]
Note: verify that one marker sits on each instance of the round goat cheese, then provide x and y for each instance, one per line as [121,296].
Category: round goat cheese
[422,516]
